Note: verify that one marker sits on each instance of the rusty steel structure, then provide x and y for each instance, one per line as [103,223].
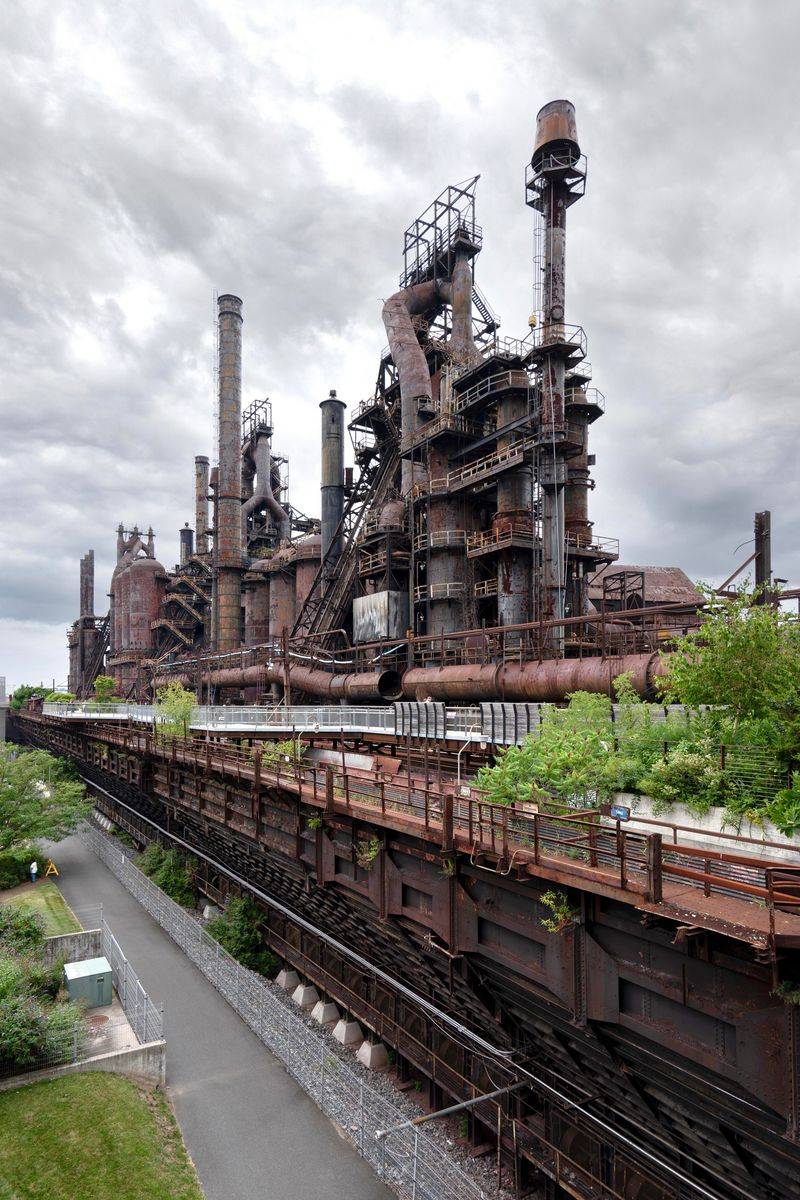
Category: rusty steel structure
[466,509]
[641,1049]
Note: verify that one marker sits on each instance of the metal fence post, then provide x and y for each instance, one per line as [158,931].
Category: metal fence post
[414,1166]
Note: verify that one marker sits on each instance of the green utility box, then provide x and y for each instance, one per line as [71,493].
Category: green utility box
[89,981]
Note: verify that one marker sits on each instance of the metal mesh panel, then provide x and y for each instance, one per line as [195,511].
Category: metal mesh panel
[409,1161]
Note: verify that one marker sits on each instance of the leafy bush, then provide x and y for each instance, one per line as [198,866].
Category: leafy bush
[278,752]
[170,871]
[14,864]
[104,689]
[21,930]
[22,1026]
[174,707]
[40,797]
[367,852]
[59,697]
[64,1024]
[570,759]
[12,977]
[784,810]
[23,692]
[238,931]
[689,775]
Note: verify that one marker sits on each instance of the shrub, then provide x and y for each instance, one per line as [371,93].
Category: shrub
[238,931]
[63,1026]
[21,930]
[784,810]
[104,689]
[689,775]
[564,913]
[14,865]
[12,977]
[22,1024]
[367,852]
[151,858]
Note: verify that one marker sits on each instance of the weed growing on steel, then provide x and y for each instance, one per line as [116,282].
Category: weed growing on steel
[367,852]
[563,913]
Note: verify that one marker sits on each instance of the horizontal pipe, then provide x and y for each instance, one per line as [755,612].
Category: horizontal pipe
[360,688]
[548,681]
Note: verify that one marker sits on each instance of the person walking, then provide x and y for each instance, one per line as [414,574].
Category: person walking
[34,870]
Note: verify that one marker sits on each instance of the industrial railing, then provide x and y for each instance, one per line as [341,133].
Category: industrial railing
[572,846]
[503,381]
[496,539]
[440,539]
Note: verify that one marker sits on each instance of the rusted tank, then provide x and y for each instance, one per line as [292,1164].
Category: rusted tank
[556,129]
[255,593]
[308,555]
[146,578]
[281,594]
[392,516]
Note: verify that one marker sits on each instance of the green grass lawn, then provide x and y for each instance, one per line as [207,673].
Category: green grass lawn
[92,1137]
[45,898]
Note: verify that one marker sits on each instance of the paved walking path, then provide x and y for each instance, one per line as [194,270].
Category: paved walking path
[251,1131]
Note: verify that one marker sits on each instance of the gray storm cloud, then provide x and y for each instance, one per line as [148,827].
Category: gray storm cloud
[154,154]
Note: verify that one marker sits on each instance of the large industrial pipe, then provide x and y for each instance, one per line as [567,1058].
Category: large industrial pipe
[87,584]
[549,681]
[332,478]
[363,688]
[263,495]
[229,492]
[409,359]
[201,503]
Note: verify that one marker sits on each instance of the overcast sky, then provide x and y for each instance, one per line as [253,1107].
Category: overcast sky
[155,152]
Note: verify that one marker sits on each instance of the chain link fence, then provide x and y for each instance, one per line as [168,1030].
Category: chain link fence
[409,1160]
[65,1039]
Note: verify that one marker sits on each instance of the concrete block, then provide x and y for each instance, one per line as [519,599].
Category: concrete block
[373,1055]
[210,911]
[305,996]
[347,1033]
[287,979]
[326,1012]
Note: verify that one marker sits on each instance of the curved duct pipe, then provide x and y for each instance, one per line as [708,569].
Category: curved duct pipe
[409,358]
[458,294]
[263,494]
[373,686]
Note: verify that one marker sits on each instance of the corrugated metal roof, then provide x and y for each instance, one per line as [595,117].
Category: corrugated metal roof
[662,585]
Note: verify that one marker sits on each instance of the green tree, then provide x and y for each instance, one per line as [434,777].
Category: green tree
[39,797]
[174,709]
[744,656]
[105,688]
[24,691]
[239,932]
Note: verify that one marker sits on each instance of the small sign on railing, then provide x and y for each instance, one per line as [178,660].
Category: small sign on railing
[620,812]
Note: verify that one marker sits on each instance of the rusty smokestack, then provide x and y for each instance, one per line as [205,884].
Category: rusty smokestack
[187,544]
[201,503]
[332,477]
[229,493]
[87,584]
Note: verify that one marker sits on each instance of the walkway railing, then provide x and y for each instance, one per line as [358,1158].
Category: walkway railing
[409,1161]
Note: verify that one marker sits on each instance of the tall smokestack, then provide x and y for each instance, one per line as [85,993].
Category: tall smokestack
[229,493]
[187,544]
[332,480]
[201,503]
[87,584]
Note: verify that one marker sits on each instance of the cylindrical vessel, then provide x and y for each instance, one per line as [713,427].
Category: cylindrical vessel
[201,503]
[187,544]
[229,492]
[256,610]
[332,477]
[308,551]
[145,589]
[281,596]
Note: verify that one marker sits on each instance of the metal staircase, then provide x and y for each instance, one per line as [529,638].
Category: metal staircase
[328,601]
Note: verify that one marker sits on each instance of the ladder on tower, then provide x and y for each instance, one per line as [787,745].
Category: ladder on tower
[326,606]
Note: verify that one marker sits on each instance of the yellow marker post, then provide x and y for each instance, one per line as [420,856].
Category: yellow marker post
[51,868]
